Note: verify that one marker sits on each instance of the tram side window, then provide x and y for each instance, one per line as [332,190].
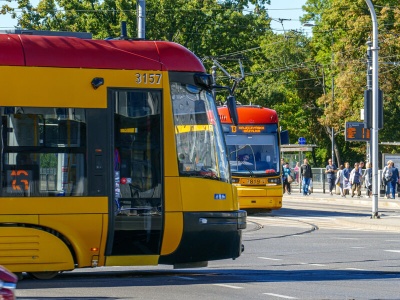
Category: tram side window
[43,152]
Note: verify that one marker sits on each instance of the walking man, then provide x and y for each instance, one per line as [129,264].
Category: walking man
[306,174]
[331,175]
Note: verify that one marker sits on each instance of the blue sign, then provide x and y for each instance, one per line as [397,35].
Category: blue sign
[219,196]
[302,141]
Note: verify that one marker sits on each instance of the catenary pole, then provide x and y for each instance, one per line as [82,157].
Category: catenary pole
[369,87]
[374,133]
[333,100]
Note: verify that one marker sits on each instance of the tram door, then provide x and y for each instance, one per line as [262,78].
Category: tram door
[137,172]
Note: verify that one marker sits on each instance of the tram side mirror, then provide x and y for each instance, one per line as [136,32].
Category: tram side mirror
[231,104]
[203,80]
[284,137]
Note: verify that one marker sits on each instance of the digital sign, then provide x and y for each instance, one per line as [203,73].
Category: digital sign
[248,128]
[355,131]
[18,181]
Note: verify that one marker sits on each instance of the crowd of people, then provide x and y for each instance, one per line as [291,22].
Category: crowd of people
[349,180]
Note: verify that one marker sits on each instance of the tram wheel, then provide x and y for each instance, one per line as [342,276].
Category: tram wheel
[44,275]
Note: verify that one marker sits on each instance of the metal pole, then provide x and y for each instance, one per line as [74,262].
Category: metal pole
[374,130]
[369,87]
[333,130]
[141,19]
[214,77]
[333,101]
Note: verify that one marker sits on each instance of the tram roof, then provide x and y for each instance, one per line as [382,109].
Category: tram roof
[74,52]
[250,114]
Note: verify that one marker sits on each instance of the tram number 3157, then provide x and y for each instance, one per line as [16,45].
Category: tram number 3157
[148,78]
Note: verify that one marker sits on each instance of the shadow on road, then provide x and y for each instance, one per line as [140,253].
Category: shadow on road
[165,278]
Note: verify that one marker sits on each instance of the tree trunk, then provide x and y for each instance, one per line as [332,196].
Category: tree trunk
[335,148]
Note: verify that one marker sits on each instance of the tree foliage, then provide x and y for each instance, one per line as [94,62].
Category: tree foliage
[342,30]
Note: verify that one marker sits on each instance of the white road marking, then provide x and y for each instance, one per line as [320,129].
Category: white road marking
[355,269]
[186,278]
[279,296]
[317,265]
[228,286]
[269,258]
[396,251]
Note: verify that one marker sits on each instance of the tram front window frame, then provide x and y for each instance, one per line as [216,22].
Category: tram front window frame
[254,154]
[198,134]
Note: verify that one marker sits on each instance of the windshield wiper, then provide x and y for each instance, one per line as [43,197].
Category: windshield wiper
[246,167]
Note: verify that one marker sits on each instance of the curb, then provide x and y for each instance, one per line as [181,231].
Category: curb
[374,224]
[394,204]
[384,223]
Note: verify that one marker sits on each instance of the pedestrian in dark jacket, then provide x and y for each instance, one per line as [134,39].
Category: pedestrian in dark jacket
[330,172]
[306,174]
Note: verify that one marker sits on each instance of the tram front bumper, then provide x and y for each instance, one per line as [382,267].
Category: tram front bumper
[209,236]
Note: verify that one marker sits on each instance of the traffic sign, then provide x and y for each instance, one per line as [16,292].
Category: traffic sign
[302,141]
[355,131]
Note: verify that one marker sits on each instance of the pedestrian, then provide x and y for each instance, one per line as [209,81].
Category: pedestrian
[346,178]
[395,178]
[339,180]
[355,180]
[368,179]
[306,174]
[330,172]
[296,172]
[387,178]
[360,168]
[288,178]
[283,175]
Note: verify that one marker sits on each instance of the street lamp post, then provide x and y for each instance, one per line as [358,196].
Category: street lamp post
[375,113]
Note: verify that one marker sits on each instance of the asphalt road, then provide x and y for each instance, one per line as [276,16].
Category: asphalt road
[302,251]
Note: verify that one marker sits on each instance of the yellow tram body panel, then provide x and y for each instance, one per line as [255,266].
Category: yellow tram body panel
[254,197]
[27,249]
[72,86]
[80,220]
[216,197]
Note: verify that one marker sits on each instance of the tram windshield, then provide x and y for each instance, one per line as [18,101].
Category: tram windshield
[199,139]
[253,154]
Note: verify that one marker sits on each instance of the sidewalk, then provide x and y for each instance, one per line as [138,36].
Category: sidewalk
[386,222]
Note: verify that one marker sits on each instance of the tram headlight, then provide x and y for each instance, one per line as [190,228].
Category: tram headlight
[274,180]
[235,180]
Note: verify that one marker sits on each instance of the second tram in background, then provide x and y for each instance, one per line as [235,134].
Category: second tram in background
[254,155]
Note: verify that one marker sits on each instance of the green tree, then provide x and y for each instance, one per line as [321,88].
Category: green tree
[348,25]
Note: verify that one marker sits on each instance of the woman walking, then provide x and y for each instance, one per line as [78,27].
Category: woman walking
[287,178]
[368,179]
[355,180]
[339,180]
[387,178]
[346,178]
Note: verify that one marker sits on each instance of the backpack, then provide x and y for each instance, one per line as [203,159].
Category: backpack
[388,174]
